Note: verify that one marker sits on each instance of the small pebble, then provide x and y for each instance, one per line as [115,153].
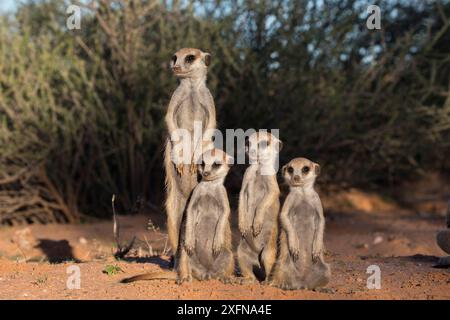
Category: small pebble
[378,239]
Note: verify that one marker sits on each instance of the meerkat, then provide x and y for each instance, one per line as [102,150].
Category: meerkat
[259,206]
[300,263]
[190,103]
[443,240]
[204,251]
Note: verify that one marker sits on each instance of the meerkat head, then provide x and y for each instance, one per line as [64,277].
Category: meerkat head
[263,147]
[300,172]
[190,63]
[215,165]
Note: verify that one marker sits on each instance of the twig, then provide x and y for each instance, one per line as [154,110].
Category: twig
[121,251]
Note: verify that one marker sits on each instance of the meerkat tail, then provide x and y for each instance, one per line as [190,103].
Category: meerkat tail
[158,275]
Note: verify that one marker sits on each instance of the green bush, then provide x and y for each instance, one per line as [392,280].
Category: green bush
[81,111]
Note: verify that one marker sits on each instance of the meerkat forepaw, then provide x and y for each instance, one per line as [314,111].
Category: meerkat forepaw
[294,250]
[217,248]
[257,228]
[245,229]
[193,168]
[189,248]
[180,169]
[316,256]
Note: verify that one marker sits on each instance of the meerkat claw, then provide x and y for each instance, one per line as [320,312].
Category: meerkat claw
[180,169]
[225,280]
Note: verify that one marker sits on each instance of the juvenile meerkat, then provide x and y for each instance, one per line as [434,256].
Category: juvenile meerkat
[443,240]
[259,206]
[300,263]
[191,103]
[204,251]
[206,244]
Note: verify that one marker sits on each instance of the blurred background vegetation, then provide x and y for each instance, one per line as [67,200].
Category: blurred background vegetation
[81,112]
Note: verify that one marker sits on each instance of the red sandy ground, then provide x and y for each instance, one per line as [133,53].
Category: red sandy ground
[400,242]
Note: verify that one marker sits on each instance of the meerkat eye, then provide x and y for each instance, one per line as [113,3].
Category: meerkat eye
[290,170]
[305,170]
[203,164]
[174,58]
[190,58]
[216,165]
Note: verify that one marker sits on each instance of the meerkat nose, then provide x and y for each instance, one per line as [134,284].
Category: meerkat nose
[296,178]
[205,174]
[176,68]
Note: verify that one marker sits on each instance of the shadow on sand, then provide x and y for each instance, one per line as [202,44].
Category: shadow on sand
[56,251]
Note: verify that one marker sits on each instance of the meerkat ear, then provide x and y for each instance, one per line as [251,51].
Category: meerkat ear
[246,145]
[207,59]
[280,145]
[317,169]
[283,170]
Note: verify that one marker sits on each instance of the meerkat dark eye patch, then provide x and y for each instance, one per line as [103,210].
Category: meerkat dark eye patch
[216,165]
[305,170]
[174,58]
[290,170]
[190,58]
[203,164]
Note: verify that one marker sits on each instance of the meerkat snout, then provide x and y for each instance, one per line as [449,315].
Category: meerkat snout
[190,62]
[262,147]
[205,173]
[215,165]
[300,172]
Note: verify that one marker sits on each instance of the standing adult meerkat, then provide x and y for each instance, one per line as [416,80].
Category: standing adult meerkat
[204,251]
[259,206]
[206,244]
[443,240]
[191,103]
[300,263]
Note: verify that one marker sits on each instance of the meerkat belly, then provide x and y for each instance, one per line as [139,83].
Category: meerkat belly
[205,229]
[304,222]
[255,194]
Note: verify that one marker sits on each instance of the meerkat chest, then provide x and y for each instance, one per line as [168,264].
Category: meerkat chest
[257,188]
[208,211]
[303,211]
[191,111]
[207,199]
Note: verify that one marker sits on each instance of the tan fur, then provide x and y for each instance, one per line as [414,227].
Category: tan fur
[300,263]
[190,102]
[259,206]
[206,251]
